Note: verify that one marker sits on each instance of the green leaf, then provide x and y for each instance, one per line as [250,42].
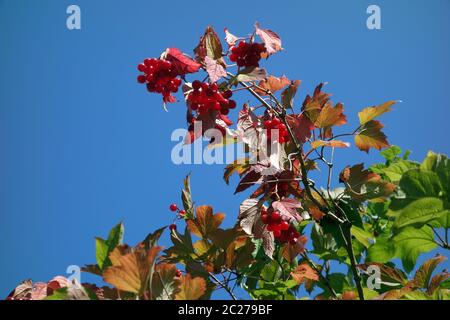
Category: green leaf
[419,212]
[115,236]
[273,290]
[416,295]
[411,242]
[60,294]
[104,247]
[381,251]
[439,164]
[361,235]
[101,252]
[395,170]
[391,153]
[417,183]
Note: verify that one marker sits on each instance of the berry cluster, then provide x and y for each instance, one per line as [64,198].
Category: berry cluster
[247,54]
[160,77]
[282,230]
[181,214]
[275,124]
[206,97]
[174,208]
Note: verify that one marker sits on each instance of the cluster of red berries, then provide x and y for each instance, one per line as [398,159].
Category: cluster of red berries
[174,208]
[282,230]
[247,54]
[275,124]
[160,77]
[205,97]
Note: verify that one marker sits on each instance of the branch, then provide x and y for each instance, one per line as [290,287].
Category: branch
[227,289]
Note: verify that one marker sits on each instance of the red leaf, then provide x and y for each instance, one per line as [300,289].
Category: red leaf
[230,38]
[249,180]
[288,208]
[271,40]
[214,69]
[301,126]
[182,62]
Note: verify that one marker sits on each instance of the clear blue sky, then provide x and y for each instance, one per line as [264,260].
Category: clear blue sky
[84,146]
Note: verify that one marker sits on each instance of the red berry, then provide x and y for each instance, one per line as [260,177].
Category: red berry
[178,274]
[205,86]
[196,85]
[224,111]
[265,218]
[141,79]
[275,217]
[141,67]
[227,94]
[231,104]
[182,212]
[284,225]
[173,227]
[214,87]
[173,207]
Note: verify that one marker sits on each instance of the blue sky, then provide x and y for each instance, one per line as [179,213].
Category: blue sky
[84,146]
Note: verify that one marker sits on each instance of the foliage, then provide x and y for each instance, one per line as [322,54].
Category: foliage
[398,209]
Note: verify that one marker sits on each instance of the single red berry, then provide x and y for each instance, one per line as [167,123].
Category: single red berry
[182,212]
[275,217]
[227,94]
[173,227]
[265,218]
[173,207]
[214,87]
[231,104]
[284,225]
[268,124]
[142,67]
[205,86]
[277,233]
[141,78]
[178,274]
[196,85]
[225,111]
[275,122]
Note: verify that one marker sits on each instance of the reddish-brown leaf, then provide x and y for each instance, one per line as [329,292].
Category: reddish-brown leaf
[304,272]
[191,288]
[182,62]
[371,136]
[287,96]
[301,127]
[271,84]
[205,221]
